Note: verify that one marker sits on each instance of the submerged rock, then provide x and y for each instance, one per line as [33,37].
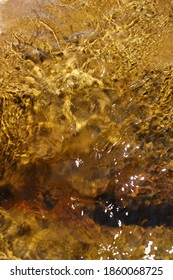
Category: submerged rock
[86,108]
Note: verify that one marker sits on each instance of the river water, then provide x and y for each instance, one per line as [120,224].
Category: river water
[86,129]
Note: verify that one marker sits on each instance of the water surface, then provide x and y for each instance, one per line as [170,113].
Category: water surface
[86,129]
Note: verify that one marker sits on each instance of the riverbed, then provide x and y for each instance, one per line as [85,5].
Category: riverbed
[86,138]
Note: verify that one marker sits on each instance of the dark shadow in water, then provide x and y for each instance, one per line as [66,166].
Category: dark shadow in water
[108,214]
[5,193]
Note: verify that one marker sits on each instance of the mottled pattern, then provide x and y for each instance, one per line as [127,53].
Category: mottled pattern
[86,126]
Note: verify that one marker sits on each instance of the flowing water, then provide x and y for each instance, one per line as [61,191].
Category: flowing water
[86,129]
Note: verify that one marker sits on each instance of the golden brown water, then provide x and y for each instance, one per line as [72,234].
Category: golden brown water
[86,129]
